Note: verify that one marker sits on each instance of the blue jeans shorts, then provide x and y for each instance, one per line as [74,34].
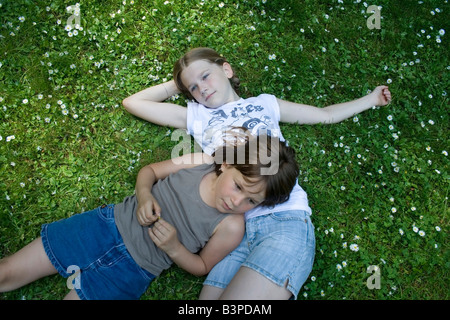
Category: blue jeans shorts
[91,243]
[280,246]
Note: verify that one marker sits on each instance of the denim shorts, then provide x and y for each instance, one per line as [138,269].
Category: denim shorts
[90,242]
[280,246]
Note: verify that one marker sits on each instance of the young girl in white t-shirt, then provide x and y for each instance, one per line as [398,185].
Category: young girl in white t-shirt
[276,255]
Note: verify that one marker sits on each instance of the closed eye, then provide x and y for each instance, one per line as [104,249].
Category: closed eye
[252,201]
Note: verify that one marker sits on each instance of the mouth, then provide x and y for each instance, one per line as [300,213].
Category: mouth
[209,96]
[226,206]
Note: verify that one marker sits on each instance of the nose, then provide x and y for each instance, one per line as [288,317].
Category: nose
[237,200]
[203,89]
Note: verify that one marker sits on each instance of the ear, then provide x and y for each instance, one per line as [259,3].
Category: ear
[228,70]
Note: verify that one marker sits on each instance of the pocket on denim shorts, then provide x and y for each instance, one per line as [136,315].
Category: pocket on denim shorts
[112,257]
[107,212]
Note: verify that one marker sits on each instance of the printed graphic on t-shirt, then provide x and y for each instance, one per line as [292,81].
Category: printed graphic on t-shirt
[251,117]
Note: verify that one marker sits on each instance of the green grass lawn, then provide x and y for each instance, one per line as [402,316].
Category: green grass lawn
[378,183]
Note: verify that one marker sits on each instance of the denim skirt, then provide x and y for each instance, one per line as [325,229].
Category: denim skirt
[280,246]
[88,249]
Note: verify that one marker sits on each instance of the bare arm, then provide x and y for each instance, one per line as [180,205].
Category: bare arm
[304,114]
[148,210]
[148,104]
[227,236]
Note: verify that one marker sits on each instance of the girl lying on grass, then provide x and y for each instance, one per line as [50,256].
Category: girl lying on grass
[283,233]
[190,213]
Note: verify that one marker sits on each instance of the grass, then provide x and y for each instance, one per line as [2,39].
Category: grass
[378,183]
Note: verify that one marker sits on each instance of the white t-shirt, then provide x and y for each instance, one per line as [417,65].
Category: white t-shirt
[208,127]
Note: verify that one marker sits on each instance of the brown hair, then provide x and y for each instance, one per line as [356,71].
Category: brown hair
[195,55]
[251,161]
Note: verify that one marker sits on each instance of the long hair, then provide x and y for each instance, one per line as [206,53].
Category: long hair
[196,54]
[262,159]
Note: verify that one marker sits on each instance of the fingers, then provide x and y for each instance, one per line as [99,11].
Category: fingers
[383,95]
[163,225]
[156,209]
[387,94]
[148,213]
[161,232]
[162,229]
[146,218]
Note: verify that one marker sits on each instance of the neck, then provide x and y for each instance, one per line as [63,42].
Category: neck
[235,96]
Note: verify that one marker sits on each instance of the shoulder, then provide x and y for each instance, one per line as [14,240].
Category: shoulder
[192,104]
[268,98]
[196,112]
[263,97]
[194,108]
[231,226]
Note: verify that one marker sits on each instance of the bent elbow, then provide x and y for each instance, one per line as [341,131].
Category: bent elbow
[126,103]
[201,274]
[202,271]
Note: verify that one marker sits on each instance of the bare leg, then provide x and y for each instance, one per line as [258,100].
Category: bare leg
[248,284]
[72,295]
[210,293]
[25,266]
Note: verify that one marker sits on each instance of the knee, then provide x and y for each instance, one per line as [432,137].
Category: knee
[210,293]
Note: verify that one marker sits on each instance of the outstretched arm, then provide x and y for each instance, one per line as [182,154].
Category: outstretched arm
[148,104]
[303,114]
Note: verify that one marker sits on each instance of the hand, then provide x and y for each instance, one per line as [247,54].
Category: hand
[381,95]
[148,211]
[164,235]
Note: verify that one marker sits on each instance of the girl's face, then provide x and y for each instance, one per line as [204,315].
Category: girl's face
[233,194]
[209,83]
